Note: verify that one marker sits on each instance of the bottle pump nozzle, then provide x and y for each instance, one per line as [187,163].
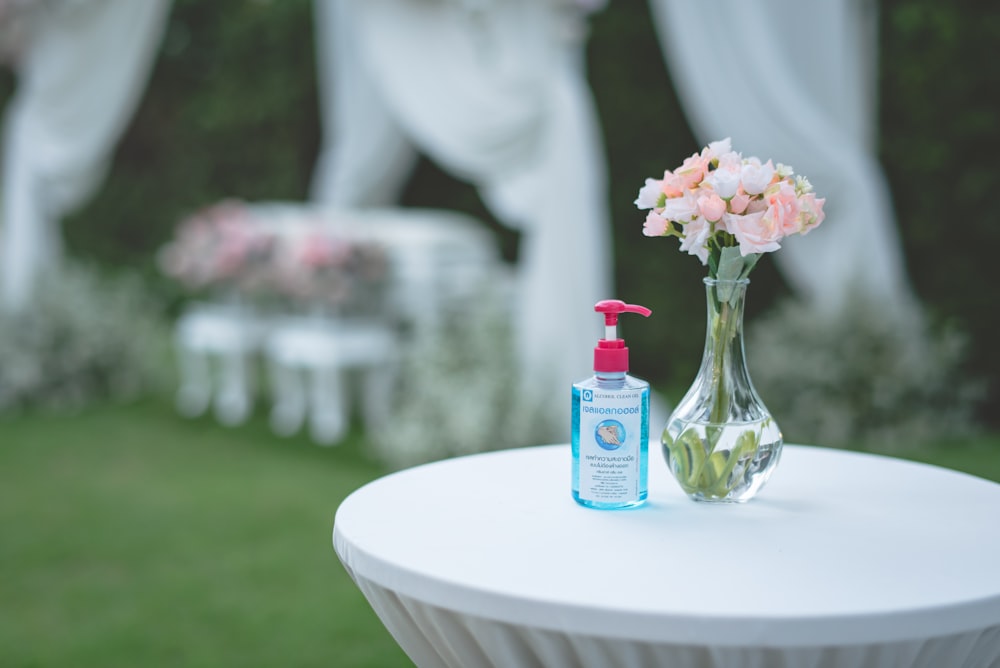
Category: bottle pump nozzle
[611,355]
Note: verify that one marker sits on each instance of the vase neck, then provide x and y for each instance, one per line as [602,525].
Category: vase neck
[723,367]
[724,301]
[718,292]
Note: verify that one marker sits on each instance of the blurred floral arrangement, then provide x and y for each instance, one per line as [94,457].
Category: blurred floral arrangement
[86,337]
[226,248]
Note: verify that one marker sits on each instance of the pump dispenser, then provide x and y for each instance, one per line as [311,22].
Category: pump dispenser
[610,422]
[611,355]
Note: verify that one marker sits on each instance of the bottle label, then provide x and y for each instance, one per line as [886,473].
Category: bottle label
[610,433]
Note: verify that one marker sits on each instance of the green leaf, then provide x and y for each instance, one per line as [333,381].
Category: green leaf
[730,269]
[747,443]
[730,264]
[749,262]
[713,257]
[687,453]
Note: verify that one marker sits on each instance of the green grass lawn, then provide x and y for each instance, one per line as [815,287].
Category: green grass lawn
[132,537]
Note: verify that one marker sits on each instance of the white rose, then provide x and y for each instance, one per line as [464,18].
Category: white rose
[649,194]
[724,181]
[756,176]
[681,209]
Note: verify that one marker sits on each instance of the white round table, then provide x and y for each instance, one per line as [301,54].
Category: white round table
[844,559]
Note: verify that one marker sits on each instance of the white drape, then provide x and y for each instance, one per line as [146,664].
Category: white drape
[84,66]
[796,82]
[365,156]
[494,92]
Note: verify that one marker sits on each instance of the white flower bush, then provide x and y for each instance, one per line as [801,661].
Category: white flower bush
[458,390]
[857,378]
[84,338]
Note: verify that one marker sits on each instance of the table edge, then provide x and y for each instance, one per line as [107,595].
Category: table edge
[732,631]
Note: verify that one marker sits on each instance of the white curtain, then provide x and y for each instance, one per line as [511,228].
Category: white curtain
[494,91]
[365,156]
[83,66]
[795,81]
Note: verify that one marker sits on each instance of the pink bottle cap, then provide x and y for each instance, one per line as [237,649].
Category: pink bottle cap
[611,355]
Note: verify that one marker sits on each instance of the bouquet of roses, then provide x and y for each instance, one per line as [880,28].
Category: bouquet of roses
[727,209]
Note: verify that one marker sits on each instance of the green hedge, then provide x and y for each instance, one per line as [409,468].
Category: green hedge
[940,135]
[231,111]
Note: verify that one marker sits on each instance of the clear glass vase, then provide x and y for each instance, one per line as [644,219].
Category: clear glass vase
[721,443]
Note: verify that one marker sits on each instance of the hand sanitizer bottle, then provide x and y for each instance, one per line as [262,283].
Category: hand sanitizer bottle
[610,430]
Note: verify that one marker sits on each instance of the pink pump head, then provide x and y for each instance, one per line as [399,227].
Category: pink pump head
[611,355]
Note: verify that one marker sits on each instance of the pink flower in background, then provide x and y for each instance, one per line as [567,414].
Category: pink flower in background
[231,247]
[718,199]
[316,250]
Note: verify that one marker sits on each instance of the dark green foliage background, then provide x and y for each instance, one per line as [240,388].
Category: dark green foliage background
[231,111]
[940,125]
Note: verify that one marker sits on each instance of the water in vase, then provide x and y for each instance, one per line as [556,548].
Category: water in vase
[722,462]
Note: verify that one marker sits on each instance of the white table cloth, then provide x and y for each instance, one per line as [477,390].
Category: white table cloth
[844,559]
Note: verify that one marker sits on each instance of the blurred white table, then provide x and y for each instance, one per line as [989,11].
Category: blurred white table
[844,559]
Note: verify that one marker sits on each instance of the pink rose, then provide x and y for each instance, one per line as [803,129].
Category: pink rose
[681,209]
[711,206]
[692,171]
[655,225]
[811,211]
[783,207]
[754,232]
[739,202]
[756,205]
[672,184]
[755,176]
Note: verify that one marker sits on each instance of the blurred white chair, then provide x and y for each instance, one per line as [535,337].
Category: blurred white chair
[436,263]
[308,359]
[436,259]
[216,344]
